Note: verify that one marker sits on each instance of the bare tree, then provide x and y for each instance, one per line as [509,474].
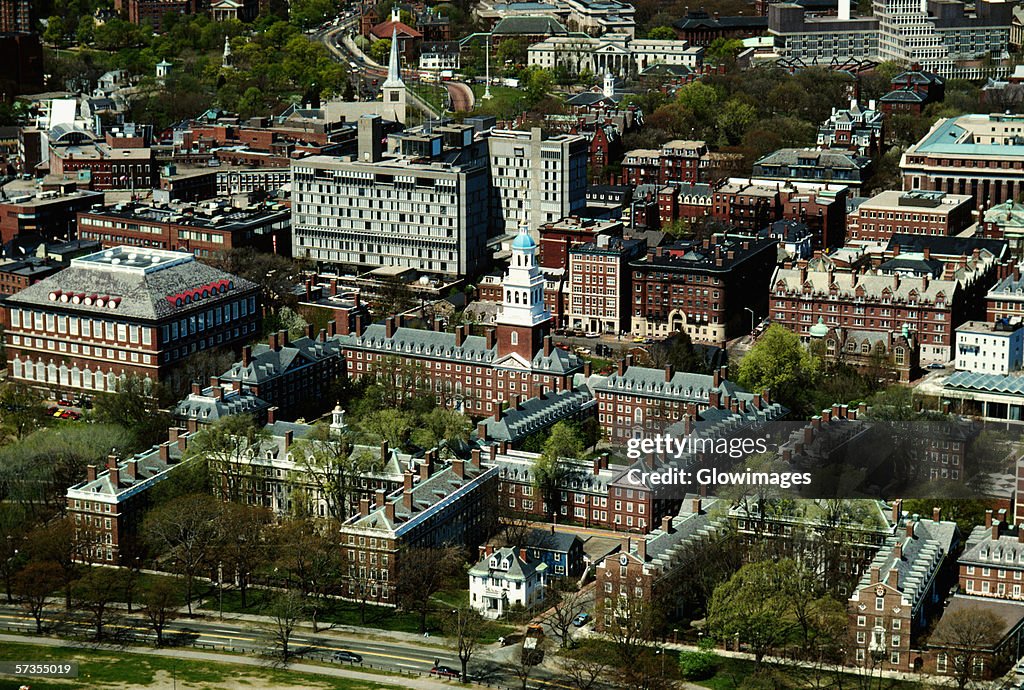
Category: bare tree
[287,610]
[423,573]
[568,604]
[523,663]
[34,584]
[95,593]
[241,542]
[311,561]
[185,532]
[160,602]
[324,460]
[585,666]
[464,627]
[58,542]
[966,634]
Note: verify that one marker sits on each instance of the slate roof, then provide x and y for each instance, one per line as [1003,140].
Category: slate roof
[825,158]
[142,293]
[1008,287]
[1008,214]
[267,363]
[441,345]
[546,540]
[904,96]
[592,98]
[530,26]
[941,245]
[665,550]
[536,414]
[684,386]
[517,466]
[150,468]
[206,409]
[983,550]
[517,569]
[875,286]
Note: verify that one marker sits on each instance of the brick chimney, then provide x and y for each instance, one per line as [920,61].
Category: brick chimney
[523,556]
[364,506]
[496,406]
[389,511]
[547,346]
[358,330]
[389,327]
[426,467]
[288,437]
[385,451]
[714,399]
[491,336]
[407,480]
[197,388]
[622,367]
[716,378]
[273,342]
[587,369]
[90,473]
[246,355]
[282,337]
[695,506]
[641,549]
[475,458]
[894,578]
[910,528]
[407,499]
[936,513]
[459,468]
[379,498]
[988,519]
[481,430]
[165,453]
[272,414]
[666,524]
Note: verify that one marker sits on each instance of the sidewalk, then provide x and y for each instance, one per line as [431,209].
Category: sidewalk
[396,681]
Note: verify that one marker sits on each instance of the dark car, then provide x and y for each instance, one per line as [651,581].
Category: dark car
[446,671]
[936,365]
[348,657]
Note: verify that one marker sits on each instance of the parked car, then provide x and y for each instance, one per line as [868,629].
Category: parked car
[936,365]
[347,657]
[445,672]
[581,620]
[66,402]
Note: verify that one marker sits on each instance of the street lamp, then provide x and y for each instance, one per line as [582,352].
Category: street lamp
[752,317]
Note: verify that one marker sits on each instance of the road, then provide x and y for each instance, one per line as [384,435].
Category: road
[254,639]
[461,96]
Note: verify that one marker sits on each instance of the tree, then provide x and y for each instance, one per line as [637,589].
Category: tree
[380,50]
[698,665]
[21,410]
[311,561]
[511,52]
[523,662]
[965,634]
[567,605]
[391,425]
[229,448]
[662,33]
[586,665]
[57,542]
[778,362]
[538,83]
[57,31]
[185,531]
[286,610]
[325,459]
[549,472]
[241,542]
[133,406]
[95,592]
[677,351]
[160,602]
[276,275]
[464,627]
[724,50]
[86,30]
[393,297]
[34,585]
[443,426]
[13,525]
[425,572]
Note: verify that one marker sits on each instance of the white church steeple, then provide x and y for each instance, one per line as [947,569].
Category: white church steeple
[523,303]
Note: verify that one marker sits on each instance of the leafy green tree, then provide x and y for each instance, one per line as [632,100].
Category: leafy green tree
[57,542]
[549,471]
[724,50]
[391,425]
[443,426]
[307,14]
[698,665]
[735,118]
[511,52]
[380,51]
[662,33]
[779,362]
[21,410]
[95,593]
[325,459]
[57,32]
[538,83]
[86,30]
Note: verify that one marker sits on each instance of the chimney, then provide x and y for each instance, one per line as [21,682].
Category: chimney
[332,329]
[995,530]
[218,393]
[271,414]
[936,513]
[669,373]
[90,473]
[910,528]
[334,287]
[809,433]
[876,575]
[897,510]
[988,519]
[407,497]
[597,466]
[385,451]
[475,458]
[364,506]
[197,388]
[897,551]
[389,327]
[460,336]
[178,436]
[481,431]
[496,409]
[459,468]
[547,346]
[310,331]
[757,401]
[522,555]
[622,367]
[587,369]
[714,397]
[695,506]
[323,335]
[389,511]
[894,578]
[272,341]
[492,338]
[379,496]
[288,437]
[426,467]
[716,378]
[666,524]
[641,549]
[359,324]
[246,355]
[407,480]
[165,453]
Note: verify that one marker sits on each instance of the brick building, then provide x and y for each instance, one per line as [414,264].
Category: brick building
[703,288]
[856,129]
[201,229]
[747,206]
[814,165]
[48,215]
[124,311]
[928,306]
[689,202]
[600,283]
[75,154]
[822,210]
[107,506]
[557,237]
[916,212]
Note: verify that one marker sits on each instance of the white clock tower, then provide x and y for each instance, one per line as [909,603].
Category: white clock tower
[524,321]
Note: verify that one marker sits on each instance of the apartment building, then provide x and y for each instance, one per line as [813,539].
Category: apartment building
[536,179]
[706,289]
[124,311]
[814,165]
[424,207]
[978,155]
[600,283]
[856,129]
[747,207]
[916,212]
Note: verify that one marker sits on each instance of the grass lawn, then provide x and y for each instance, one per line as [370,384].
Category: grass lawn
[506,102]
[347,612]
[732,673]
[107,669]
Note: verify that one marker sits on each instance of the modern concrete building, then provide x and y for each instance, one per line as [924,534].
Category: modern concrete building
[423,207]
[535,179]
